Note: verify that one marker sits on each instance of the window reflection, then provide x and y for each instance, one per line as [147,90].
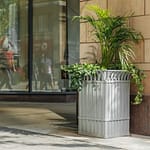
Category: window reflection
[13,45]
[49,43]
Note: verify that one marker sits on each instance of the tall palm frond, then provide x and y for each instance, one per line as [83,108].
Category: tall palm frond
[116,38]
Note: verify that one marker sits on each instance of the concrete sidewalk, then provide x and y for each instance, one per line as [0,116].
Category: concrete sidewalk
[24,140]
[52,126]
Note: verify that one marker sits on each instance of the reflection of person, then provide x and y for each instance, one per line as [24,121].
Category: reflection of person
[36,59]
[45,69]
[6,64]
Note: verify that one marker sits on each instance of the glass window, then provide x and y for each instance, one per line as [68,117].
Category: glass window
[53,41]
[49,44]
[13,45]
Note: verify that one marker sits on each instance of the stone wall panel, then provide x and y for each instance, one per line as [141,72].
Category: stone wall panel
[146,83]
[142,24]
[83,32]
[147,51]
[121,7]
[139,53]
[89,52]
[147,5]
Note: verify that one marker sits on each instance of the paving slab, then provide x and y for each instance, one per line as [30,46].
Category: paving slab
[15,139]
[52,126]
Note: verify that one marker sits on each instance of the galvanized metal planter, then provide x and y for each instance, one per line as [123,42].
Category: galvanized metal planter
[104,104]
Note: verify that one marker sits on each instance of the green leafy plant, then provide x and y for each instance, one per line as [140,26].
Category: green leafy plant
[117,40]
[115,36]
[77,73]
[137,78]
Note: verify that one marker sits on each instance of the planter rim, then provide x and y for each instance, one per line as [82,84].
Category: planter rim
[109,75]
[113,71]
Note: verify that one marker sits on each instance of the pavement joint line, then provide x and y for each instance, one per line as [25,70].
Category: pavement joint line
[29,114]
[27,132]
[20,131]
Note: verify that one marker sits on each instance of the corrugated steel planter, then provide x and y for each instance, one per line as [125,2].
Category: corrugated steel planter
[104,104]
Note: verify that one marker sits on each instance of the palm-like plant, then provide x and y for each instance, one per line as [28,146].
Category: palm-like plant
[116,38]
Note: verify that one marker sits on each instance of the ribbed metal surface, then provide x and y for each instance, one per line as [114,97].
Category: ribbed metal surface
[104,104]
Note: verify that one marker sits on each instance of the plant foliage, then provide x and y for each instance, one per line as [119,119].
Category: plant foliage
[77,73]
[117,40]
[115,36]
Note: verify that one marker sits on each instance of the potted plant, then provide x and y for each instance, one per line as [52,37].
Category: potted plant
[105,86]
